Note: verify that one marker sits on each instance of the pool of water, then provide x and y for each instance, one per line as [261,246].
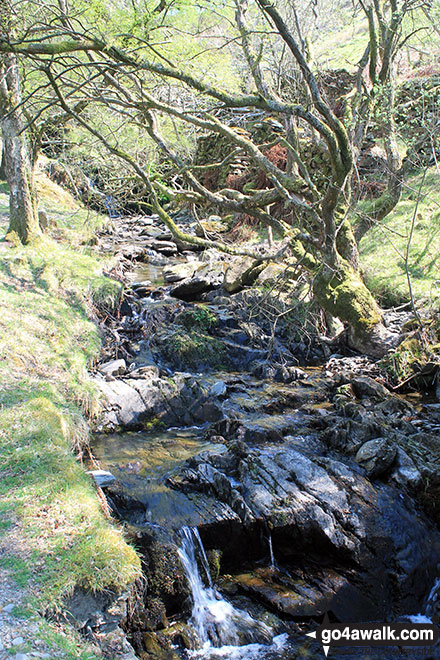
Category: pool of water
[142,462]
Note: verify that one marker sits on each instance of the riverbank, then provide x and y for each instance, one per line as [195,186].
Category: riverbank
[54,536]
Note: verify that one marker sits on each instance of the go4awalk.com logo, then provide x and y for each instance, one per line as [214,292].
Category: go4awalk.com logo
[375,634]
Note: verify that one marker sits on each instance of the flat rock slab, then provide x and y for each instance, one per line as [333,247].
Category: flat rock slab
[132,402]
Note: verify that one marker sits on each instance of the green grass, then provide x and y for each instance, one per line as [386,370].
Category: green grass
[50,517]
[383,248]
[343,47]
[346,36]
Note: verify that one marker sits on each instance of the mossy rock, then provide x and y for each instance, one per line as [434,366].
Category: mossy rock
[405,361]
[200,317]
[214,560]
[165,572]
[191,349]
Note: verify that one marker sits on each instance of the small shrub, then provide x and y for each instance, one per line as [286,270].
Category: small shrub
[200,317]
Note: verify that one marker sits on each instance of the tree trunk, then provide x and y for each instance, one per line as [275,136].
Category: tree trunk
[3,176]
[341,292]
[23,211]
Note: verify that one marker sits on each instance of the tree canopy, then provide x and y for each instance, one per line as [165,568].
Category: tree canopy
[145,77]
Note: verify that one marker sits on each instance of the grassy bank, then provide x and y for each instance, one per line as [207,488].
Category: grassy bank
[383,248]
[52,530]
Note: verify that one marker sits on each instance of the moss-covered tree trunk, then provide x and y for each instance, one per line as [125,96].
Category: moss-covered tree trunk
[23,211]
[341,292]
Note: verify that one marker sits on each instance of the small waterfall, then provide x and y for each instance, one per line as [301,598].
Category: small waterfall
[219,625]
[272,557]
[432,606]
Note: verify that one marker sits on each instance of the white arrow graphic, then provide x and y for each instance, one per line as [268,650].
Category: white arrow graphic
[325,648]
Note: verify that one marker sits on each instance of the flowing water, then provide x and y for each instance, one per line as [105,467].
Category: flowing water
[271,554]
[143,461]
[431,605]
[223,630]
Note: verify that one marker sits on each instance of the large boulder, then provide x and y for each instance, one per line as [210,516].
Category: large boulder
[376,456]
[134,403]
[366,386]
[324,512]
[244,271]
[207,276]
[178,272]
[167,248]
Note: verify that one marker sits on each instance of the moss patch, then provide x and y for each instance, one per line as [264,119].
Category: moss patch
[405,360]
[345,296]
[200,317]
[192,349]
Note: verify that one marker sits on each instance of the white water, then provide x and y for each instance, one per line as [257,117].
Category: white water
[434,595]
[247,652]
[272,557]
[223,630]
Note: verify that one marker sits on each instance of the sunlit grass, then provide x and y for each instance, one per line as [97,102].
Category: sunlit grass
[345,42]
[47,342]
[383,248]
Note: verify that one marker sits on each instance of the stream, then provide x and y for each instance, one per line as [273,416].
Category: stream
[264,488]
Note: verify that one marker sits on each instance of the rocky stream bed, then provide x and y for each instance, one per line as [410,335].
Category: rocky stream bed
[266,475]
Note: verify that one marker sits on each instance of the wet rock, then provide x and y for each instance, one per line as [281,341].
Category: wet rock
[167,248]
[143,289]
[254,433]
[98,611]
[366,386]
[316,504]
[218,389]
[193,287]
[154,258]
[178,272]
[102,478]
[433,604]
[144,371]
[242,272]
[376,457]
[307,594]
[123,405]
[168,589]
[394,405]
[288,374]
[133,402]
[144,362]
[405,472]
[113,367]
[207,276]
[348,435]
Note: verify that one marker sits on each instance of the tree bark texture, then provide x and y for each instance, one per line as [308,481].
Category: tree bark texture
[23,212]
